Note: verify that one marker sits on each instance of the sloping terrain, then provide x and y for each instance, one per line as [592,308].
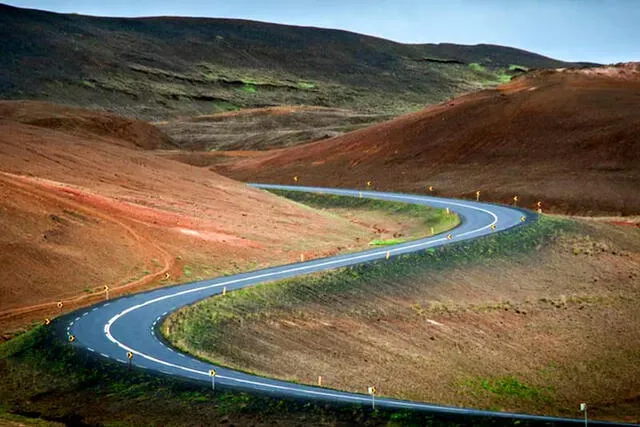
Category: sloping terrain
[535,320]
[159,67]
[83,206]
[569,138]
[263,128]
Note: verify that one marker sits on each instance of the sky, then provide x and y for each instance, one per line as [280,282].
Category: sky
[604,31]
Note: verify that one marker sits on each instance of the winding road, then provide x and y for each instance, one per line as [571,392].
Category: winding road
[132,323]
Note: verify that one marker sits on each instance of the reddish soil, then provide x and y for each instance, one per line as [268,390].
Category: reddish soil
[569,138]
[84,205]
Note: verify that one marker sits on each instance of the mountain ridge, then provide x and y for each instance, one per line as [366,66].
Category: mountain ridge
[158,67]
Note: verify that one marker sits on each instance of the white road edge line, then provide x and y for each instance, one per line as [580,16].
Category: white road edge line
[111,321]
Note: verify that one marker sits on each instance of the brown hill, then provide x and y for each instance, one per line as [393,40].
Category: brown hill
[82,122]
[570,138]
[83,206]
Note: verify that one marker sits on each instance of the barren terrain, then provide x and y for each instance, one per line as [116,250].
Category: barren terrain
[261,128]
[85,203]
[570,139]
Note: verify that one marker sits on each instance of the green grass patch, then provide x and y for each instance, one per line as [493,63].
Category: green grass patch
[431,217]
[477,67]
[508,387]
[249,88]
[386,242]
[187,271]
[305,85]
[503,77]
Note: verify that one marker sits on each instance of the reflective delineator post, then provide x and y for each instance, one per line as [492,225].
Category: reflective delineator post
[372,391]
[583,408]
[212,374]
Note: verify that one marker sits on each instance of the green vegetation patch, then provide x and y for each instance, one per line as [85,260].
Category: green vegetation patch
[306,85]
[432,217]
[386,242]
[504,77]
[515,67]
[477,67]
[249,88]
[508,387]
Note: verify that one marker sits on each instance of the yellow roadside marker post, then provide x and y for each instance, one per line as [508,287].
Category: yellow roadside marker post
[523,218]
[360,194]
[493,226]
[296,178]
[477,196]
[583,408]
[320,380]
[449,236]
[430,189]
[212,374]
[224,290]
[447,210]
[369,184]
[130,358]
[539,206]
[388,255]
[47,321]
[372,391]
[72,338]
[432,231]
[301,257]
[106,292]
[515,200]
[60,304]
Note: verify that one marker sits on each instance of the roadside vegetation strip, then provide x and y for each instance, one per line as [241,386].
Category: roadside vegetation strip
[432,218]
[49,382]
[201,329]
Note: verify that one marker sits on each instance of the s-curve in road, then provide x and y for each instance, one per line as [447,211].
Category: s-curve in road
[129,326]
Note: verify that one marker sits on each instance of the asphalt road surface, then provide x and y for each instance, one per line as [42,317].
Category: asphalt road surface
[131,323]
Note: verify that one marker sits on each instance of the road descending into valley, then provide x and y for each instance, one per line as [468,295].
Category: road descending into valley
[131,324]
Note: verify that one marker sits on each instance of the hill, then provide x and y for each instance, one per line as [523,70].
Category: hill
[154,68]
[569,138]
[86,203]
[262,128]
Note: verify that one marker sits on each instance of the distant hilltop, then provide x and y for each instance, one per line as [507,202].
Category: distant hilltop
[155,68]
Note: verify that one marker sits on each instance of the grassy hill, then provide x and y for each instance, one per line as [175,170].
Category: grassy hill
[154,68]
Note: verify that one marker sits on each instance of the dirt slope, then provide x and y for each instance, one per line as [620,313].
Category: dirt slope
[83,206]
[570,138]
[263,128]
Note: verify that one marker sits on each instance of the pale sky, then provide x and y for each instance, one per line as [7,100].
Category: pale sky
[604,31]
